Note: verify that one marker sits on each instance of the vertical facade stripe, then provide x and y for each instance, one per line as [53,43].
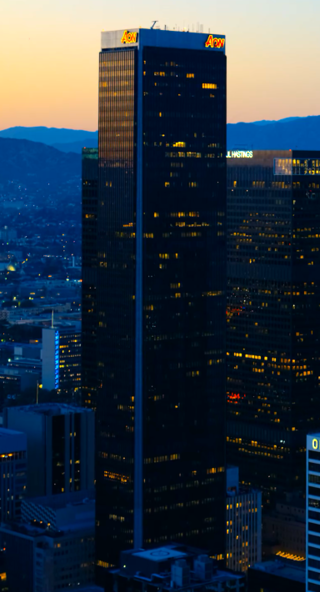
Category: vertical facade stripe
[138,396]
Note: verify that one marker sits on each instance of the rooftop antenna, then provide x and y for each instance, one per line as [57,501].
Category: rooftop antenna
[153,24]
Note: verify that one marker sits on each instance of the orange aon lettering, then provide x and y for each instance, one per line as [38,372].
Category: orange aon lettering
[217,42]
[128,37]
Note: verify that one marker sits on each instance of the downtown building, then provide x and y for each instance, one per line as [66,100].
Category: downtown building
[60,446]
[53,543]
[154,291]
[243,524]
[61,359]
[313,513]
[273,329]
[13,464]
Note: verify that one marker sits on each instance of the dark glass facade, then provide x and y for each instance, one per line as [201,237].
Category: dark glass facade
[273,271]
[89,275]
[161,248]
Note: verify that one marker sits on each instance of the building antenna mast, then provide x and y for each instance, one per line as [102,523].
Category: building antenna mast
[153,24]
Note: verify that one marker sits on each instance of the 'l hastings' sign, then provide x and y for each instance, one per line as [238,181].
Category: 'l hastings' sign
[240,154]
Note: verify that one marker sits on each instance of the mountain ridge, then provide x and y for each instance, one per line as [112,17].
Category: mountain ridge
[47,135]
[35,164]
[301,133]
[292,132]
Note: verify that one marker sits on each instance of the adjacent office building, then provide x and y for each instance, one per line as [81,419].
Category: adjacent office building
[284,528]
[61,358]
[53,544]
[277,575]
[244,533]
[60,443]
[172,567]
[160,301]
[13,467]
[16,379]
[313,513]
[273,334]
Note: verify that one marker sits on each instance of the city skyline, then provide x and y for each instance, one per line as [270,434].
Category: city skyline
[50,59]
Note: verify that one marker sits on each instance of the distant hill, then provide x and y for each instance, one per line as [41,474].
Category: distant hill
[36,164]
[291,132]
[268,121]
[77,146]
[49,136]
[302,133]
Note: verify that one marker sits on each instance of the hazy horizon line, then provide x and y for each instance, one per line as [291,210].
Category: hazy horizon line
[95,130]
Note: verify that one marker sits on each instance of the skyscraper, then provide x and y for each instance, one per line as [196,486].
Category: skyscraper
[273,335]
[313,513]
[160,291]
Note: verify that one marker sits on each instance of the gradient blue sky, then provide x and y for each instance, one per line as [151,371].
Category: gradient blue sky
[49,55]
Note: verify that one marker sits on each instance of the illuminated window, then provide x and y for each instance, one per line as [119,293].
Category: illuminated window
[209,85]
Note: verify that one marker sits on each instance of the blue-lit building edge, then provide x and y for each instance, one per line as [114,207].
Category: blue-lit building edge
[312,525]
[56,360]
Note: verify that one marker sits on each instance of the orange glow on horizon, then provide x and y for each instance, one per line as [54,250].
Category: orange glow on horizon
[49,63]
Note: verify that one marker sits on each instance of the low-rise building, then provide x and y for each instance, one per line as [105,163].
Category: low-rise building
[173,566]
[284,528]
[55,544]
[277,576]
[60,441]
[13,470]
[243,524]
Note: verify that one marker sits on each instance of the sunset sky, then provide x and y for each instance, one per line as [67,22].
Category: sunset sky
[49,55]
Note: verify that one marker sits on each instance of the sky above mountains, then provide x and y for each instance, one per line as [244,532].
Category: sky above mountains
[49,55]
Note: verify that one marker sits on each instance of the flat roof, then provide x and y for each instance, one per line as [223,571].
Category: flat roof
[51,409]
[127,38]
[160,554]
[63,500]
[283,569]
[12,441]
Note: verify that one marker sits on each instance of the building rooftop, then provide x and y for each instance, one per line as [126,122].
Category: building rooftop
[161,567]
[287,569]
[90,588]
[51,409]
[156,37]
[160,554]
[64,500]
[61,513]
[6,344]
[12,441]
